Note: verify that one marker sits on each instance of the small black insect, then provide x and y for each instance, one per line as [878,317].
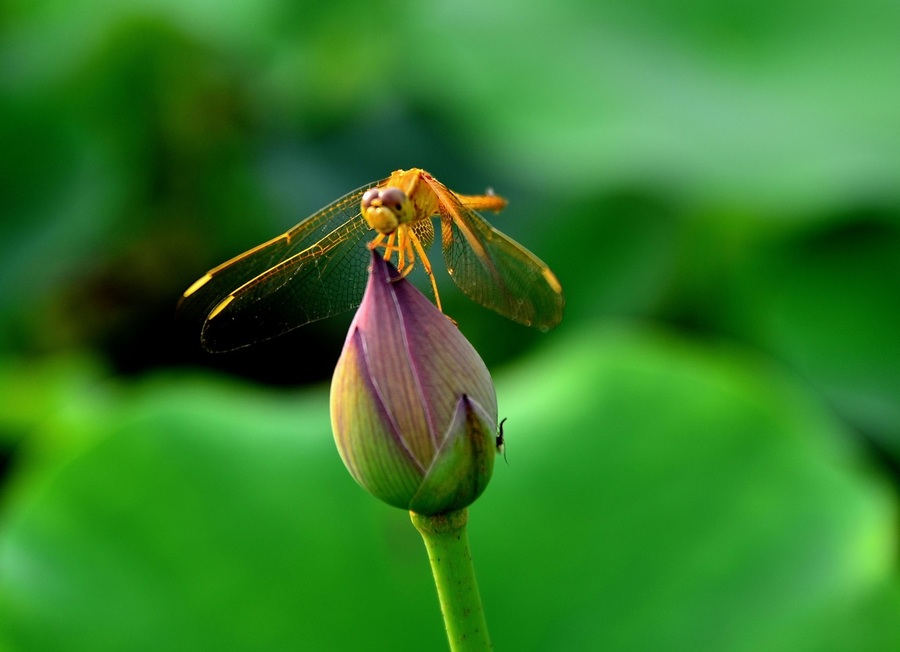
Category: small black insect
[501,443]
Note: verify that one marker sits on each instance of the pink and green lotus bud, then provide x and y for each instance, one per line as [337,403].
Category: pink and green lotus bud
[413,407]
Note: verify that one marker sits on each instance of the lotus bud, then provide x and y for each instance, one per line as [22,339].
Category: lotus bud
[413,407]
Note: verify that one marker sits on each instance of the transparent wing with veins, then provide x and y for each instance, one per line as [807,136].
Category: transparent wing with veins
[495,270]
[316,270]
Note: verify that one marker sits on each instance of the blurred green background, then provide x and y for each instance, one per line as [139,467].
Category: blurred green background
[705,455]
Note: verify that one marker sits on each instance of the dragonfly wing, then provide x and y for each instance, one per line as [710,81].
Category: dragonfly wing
[326,279]
[424,230]
[496,271]
[296,269]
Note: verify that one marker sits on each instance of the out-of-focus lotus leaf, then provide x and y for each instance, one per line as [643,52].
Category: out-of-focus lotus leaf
[827,301]
[659,496]
[771,105]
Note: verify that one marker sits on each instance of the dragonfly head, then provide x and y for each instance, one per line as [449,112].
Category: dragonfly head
[386,208]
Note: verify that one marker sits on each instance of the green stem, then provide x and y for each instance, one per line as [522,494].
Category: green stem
[451,564]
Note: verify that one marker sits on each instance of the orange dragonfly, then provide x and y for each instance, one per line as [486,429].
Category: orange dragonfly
[319,268]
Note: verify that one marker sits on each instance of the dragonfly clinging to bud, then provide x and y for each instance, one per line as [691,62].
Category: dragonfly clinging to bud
[319,268]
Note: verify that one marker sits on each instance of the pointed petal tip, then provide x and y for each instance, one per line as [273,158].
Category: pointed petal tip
[463,466]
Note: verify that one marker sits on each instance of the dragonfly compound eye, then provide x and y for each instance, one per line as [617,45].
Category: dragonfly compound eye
[370,195]
[393,198]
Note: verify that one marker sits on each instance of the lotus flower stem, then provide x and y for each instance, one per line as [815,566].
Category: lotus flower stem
[454,574]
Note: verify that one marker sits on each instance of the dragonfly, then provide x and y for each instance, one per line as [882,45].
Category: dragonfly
[319,268]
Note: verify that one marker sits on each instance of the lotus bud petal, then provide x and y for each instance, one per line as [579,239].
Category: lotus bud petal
[413,407]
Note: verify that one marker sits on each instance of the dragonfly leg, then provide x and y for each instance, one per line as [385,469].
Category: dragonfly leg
[389,246]
[402,246]
[406,258]
[407,244]
[377,242]
[426,265]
